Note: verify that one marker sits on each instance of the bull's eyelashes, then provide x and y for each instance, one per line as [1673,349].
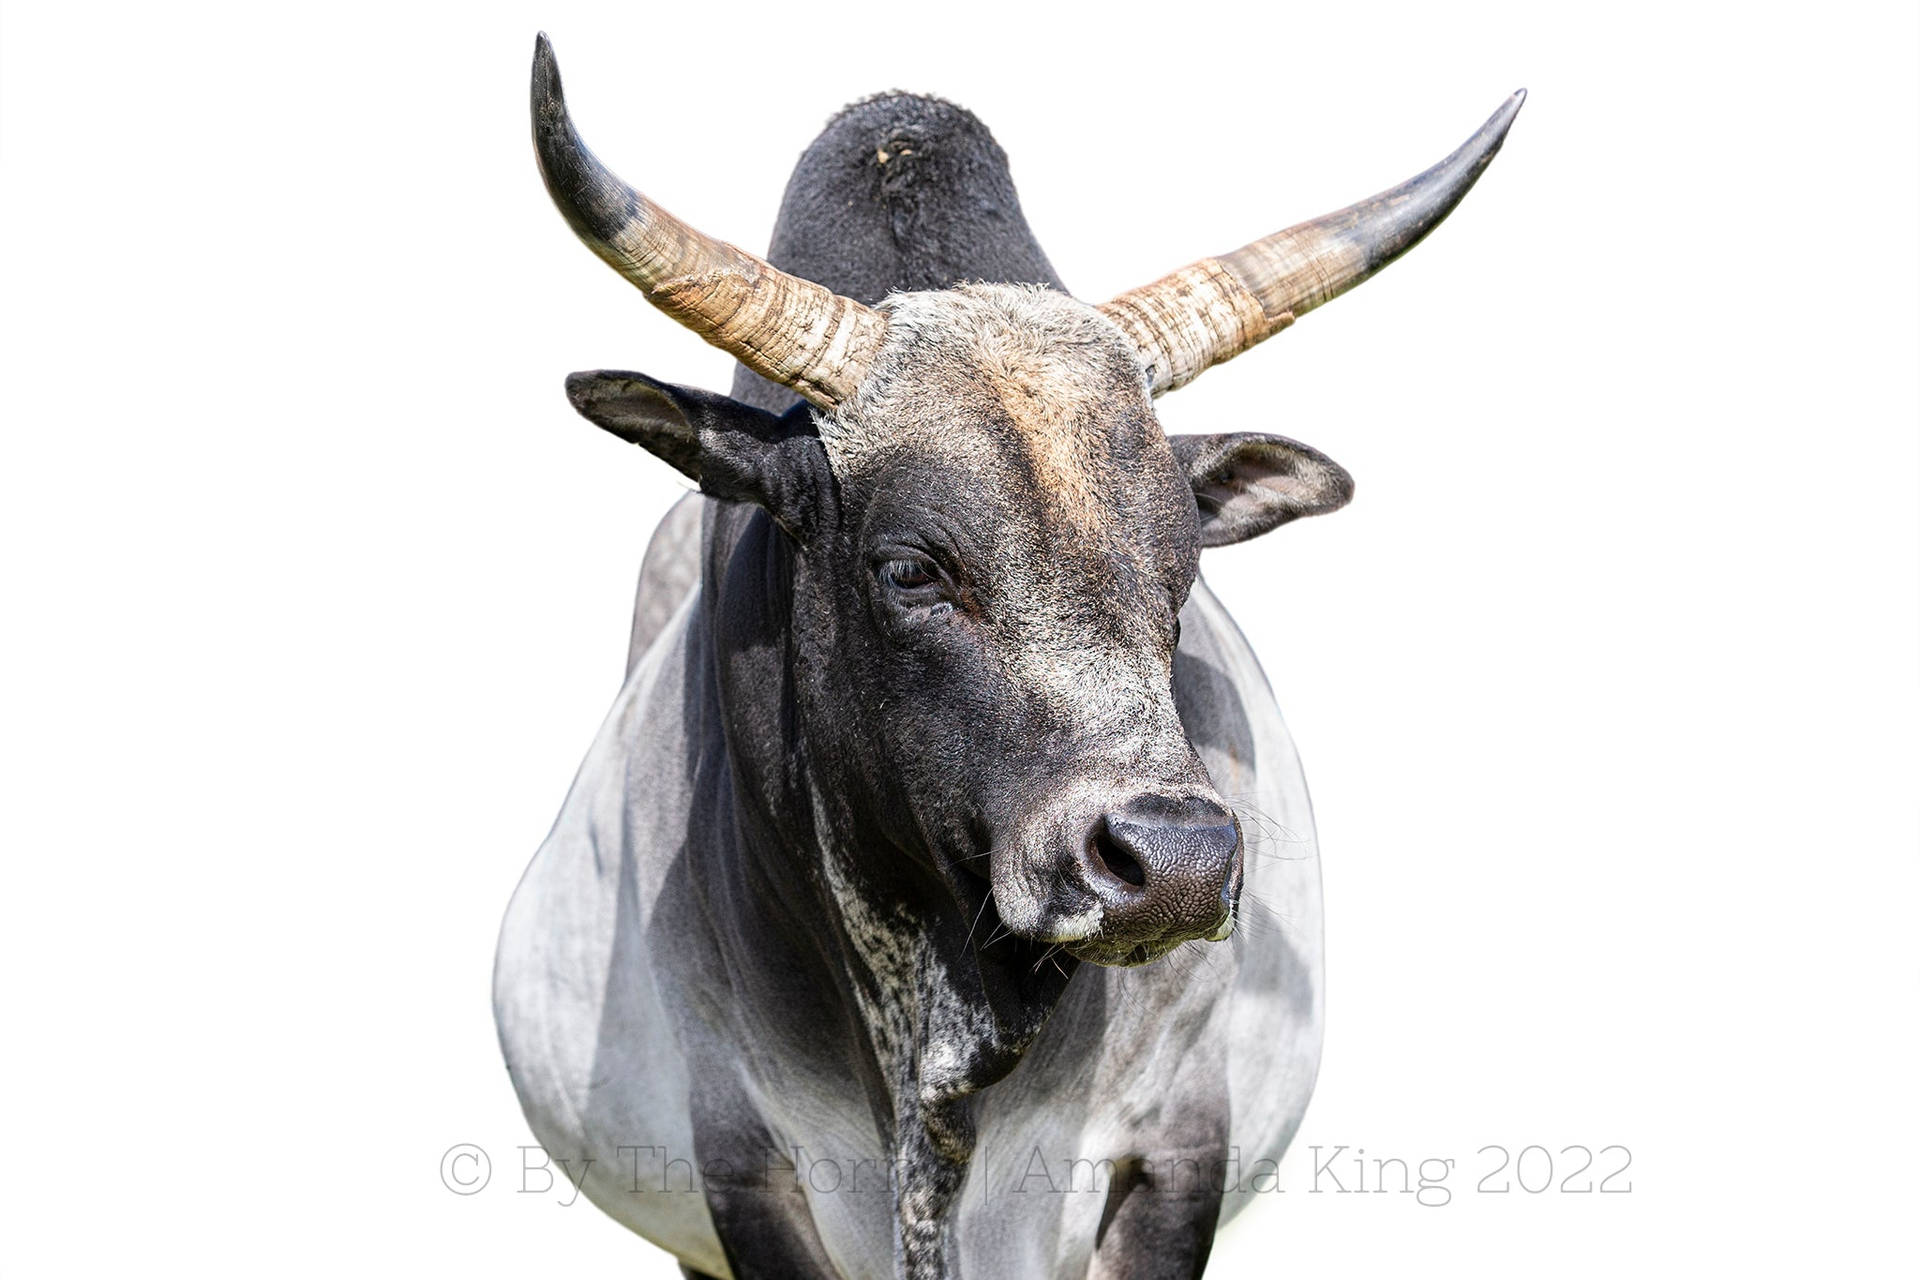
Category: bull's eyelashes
[908,575]
[1246,484]
[913,584]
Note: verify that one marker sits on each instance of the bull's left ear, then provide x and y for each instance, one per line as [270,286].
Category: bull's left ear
[734,451]
[1246,484]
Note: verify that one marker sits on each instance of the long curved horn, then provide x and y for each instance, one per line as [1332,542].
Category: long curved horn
[787,330]
[1218,307]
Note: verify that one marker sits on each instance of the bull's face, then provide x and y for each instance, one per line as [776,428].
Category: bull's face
[992,537]
[1021,542]
[993,544]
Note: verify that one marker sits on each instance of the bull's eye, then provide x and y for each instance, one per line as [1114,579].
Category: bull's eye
[908,575]
[913,586]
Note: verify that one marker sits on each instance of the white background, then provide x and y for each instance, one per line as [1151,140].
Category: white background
[316,589]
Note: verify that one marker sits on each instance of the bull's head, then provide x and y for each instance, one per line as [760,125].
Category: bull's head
[992,537]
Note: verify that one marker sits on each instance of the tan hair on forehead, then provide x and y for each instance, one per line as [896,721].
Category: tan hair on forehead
[1054,407]
[1051,368]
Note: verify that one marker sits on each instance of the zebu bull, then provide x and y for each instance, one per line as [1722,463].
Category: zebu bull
[940,897]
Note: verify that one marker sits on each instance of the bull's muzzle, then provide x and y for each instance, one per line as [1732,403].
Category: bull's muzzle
[1164,871]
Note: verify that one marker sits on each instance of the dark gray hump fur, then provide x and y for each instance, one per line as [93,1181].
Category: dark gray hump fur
[900,191]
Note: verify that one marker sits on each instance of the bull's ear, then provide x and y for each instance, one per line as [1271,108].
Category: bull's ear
[732,450]
[1246,484]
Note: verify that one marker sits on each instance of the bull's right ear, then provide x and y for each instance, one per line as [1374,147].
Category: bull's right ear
[732,450]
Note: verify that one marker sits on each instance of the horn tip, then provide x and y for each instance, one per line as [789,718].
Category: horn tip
[546,71]
[1494,131]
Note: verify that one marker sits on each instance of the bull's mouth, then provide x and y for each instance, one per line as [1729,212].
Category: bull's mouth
[1082,938]
[1117,953]
[1121,955]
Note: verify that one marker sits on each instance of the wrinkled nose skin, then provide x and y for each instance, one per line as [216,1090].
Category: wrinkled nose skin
[1165,871]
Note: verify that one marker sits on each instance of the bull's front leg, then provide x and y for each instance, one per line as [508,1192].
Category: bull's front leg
[1161,1212]
[763,1220]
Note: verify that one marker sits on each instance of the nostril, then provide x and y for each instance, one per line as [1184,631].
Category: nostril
[1114,856]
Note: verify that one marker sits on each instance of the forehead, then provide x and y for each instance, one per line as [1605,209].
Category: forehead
[1019,394]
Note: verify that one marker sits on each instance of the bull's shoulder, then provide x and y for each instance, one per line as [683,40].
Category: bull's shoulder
[1220,690]
[668,572]
[587,1025]
[1274,1036]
